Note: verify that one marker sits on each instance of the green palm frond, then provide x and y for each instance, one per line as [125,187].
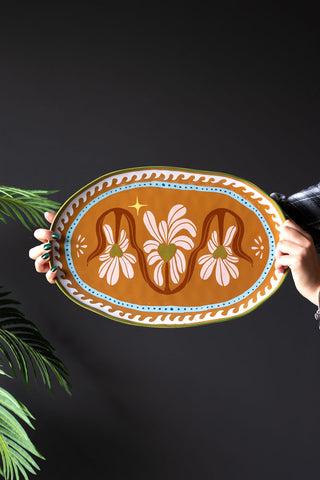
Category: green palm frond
[25,205]
[20,340]
[15,446]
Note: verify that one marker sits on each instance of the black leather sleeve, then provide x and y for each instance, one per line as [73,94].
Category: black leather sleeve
[304,209]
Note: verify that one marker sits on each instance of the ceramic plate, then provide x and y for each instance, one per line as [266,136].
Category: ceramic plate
[168,247]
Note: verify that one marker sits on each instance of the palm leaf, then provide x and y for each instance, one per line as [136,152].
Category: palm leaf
[25,205]
[22,344]
[15,446]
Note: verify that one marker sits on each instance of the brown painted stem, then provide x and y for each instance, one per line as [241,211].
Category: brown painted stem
[219,212]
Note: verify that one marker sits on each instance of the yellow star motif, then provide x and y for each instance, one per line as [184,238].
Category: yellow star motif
[138,205]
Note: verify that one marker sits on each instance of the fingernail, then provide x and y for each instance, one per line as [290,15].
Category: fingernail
[53,269]
[47,246]
[55,236]
[45,256]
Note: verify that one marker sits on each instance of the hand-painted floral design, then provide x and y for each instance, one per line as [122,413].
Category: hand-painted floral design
[258,247]
[80,246]
[220,259]
[115,257]
[168,242]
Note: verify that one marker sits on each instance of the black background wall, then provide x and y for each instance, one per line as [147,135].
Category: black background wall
[93,88]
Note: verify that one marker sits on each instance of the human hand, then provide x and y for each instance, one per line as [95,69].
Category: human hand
[39,253]
[296,251]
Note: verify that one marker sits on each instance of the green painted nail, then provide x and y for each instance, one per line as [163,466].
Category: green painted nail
[53,269]
[55,236]
[45,256]
[47,246]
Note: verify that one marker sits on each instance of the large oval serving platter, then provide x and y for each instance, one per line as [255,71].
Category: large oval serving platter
[168,247]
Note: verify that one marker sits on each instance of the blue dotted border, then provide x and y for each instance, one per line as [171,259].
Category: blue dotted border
[170,309]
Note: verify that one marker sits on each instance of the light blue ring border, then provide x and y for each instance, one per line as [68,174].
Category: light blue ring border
[169,308]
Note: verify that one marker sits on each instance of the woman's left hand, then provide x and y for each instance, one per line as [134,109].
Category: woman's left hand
[296,251]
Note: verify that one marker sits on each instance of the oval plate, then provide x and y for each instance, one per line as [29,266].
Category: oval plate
[167,247]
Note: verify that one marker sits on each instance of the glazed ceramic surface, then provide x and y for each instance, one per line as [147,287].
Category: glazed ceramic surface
[168,247]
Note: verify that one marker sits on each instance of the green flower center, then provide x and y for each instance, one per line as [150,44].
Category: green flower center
[167,251]
[220,252]
[116,251]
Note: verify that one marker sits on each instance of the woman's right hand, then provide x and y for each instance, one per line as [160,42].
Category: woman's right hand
[41,253]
